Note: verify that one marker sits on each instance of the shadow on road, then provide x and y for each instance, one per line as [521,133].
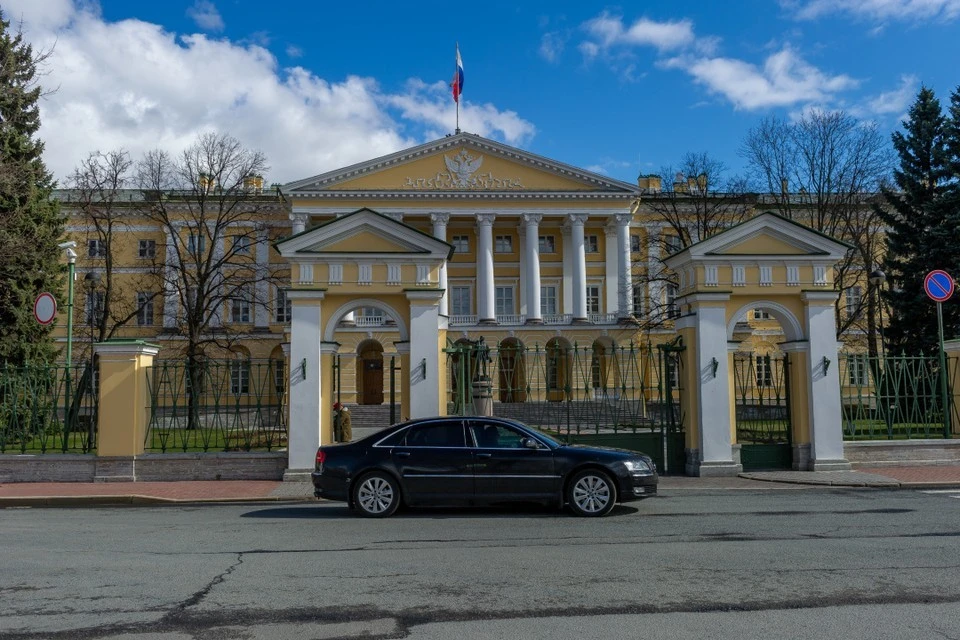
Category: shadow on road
[341,511]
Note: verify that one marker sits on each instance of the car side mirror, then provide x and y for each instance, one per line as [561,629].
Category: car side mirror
[529,443]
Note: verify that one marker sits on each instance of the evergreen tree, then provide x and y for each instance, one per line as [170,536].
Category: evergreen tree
[30,222]
[922,234]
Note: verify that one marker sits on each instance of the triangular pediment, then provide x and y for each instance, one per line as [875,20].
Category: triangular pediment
[363,233]
[767,235]
[461,163]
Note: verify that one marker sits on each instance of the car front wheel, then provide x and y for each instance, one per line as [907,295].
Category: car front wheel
[376,495]
[591,493]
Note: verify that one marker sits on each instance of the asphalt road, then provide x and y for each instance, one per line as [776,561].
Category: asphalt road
[721,564]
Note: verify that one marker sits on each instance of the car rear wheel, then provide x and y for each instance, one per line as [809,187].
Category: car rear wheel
[591,493]
[376,495]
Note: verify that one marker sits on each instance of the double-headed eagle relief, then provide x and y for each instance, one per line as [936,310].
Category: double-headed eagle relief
[462,174]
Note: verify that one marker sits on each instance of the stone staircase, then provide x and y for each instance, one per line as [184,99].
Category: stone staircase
[369,418]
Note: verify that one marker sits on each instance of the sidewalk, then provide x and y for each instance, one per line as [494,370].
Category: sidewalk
[142,493]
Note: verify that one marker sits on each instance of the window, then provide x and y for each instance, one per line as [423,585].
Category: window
[763,371]
[197,243]
[239,377]
[460,301]
[461,244]
[504,301]
[637,298]
[548,244]
[144,308]
[436,434]
[279,376]
[760,314]
[493,435]
[240,306]
[635,244]
[241,245]
[96,249]
[854,300]
[93,309]
[548,300]
[671,243]
[370,312]
[503,244]
[593,299]
[147,249]
[591,244]
[857,370]
[673,309]
[282,308]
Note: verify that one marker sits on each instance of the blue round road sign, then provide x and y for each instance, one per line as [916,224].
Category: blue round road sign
[939,285]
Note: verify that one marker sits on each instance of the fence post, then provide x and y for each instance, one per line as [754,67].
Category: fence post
[952,350]
[124,397]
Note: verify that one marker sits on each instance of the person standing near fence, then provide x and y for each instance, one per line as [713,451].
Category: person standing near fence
[342,429]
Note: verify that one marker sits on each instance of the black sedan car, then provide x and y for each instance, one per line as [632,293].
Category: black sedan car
[477,461]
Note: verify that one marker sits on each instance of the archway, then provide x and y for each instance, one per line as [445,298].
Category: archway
[370,372]
[559,368]
[511,370]
[601,358]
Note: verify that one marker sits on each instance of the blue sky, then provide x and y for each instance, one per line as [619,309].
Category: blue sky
[621,89]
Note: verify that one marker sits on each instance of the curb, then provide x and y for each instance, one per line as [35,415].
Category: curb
[135,500]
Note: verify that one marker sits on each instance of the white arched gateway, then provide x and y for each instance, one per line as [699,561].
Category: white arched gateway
[786,269]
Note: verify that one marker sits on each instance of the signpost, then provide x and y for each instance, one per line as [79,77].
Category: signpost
[940,287]
[45,308]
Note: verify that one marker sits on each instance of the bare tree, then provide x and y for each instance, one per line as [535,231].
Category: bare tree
[101,197]
[689,203]
[202,202]
[825,171]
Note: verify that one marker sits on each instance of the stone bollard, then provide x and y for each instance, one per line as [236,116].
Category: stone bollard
[483,396]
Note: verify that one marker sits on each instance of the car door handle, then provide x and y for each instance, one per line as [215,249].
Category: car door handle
[484,456]
[403,454]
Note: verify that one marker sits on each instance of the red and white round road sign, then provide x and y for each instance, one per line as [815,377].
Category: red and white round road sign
[45,308]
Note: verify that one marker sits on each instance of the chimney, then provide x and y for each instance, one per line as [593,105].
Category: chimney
[702,182]
[654,183]
[205,183]
[679,183]
[253,184]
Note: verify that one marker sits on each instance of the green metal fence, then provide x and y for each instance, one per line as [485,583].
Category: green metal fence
[217,405]
[761,384]
[48,409]
[625,396]
[893,398]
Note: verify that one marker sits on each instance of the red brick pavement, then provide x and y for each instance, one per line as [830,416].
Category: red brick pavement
[931,474]
[200,490]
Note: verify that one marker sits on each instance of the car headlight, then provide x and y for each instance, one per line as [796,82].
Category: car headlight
[639,466]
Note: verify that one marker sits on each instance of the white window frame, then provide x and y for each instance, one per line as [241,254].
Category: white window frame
[242,245]
[240,307]
[93,308]
[554,289]
[598,298]
[146,249]
[853,297]
[591,243]
[96,248]
[461,243]
[240,377]
[145,309]
[503,244]
[547,243]
[670,292]
[763,371]
[282,306]
[453,300]
[499,307]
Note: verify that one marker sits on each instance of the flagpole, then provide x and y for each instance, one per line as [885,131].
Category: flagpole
[456,74]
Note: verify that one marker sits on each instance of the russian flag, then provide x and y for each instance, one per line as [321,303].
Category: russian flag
[457,84]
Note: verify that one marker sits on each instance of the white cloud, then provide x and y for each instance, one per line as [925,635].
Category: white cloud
[895,101]
[608,31]
[205,14]
[552,45]
[904,10]
[784,80]
[293,51]
[132,84]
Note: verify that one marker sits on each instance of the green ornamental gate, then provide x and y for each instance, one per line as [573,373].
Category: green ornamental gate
[601,394]
[761,385]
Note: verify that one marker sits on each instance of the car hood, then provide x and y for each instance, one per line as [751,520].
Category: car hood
[607,451]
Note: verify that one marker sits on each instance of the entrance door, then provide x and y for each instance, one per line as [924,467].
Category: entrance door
[761,384]
[373,381]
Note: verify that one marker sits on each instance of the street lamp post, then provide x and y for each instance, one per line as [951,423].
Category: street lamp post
[71,272]
[877,278]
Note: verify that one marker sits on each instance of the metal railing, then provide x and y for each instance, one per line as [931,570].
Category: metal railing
[893,397]
[603,318]
[217,405]
[511,318]
[557,318]
[48,409]
[461,320]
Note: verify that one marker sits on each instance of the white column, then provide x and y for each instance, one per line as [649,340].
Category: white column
[305,371]
[713,388]
[611,292]
[262,307]
[654,267]
[567,306]
[579,259]
[171,302]
[826,429]
[522,232]
[624,265]
[440,221]
[424,354]
[531,223]
[486,287]
[299,222]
